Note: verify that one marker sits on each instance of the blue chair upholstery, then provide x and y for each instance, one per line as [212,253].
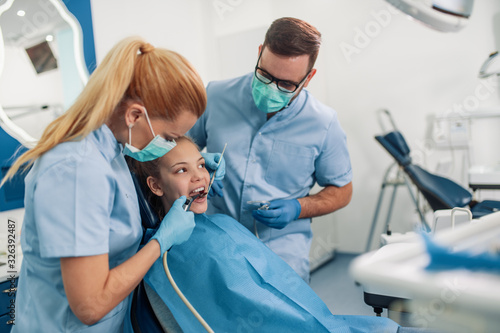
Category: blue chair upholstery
[396,145]
[142,314]
[485,207]
[143,317]
[440,192]
[12,192]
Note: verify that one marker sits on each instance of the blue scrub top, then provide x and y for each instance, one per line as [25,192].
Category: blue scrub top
[80,201]
[279,158]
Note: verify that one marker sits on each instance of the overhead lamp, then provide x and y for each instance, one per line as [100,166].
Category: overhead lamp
[21,13]
[441,15]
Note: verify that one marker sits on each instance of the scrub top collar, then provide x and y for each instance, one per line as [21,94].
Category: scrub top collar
[293,109]
[109,146]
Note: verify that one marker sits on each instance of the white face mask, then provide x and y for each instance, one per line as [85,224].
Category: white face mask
[156,148]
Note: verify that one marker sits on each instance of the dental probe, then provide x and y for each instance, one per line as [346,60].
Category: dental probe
[213,175]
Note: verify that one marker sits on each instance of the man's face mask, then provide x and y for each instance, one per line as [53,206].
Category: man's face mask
[270,97]
[156,148]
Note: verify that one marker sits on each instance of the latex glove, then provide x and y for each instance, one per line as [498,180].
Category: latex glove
[279,214]
[216,189]
[176,227]
[211,161]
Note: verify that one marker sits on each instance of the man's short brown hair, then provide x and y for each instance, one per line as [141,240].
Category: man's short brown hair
[291,37]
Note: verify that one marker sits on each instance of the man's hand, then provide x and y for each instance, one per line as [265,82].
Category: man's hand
[279,214]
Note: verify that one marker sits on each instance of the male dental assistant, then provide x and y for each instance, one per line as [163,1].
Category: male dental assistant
[281,141]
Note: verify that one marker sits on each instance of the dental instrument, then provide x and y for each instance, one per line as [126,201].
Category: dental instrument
[189,202]
[215,171]
[262,205]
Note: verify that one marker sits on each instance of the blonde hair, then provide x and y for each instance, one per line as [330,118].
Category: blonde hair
[163,80]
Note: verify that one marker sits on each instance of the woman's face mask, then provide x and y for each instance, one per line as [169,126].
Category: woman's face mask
[156,148]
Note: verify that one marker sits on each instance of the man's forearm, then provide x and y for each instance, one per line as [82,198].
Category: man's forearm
[328,200]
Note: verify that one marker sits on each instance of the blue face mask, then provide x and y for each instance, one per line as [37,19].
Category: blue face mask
[156,148]
[268,98]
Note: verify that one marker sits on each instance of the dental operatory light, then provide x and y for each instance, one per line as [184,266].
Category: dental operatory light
[441,15]
[21,13]
[491,66]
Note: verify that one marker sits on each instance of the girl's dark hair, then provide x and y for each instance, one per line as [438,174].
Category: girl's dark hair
[142,170]
[291,37]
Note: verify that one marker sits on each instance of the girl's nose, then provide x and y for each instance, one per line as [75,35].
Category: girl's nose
[197,175]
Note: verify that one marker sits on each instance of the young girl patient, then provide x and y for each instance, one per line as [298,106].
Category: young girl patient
[229,276]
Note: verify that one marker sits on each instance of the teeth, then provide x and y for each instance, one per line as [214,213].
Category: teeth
[199,189]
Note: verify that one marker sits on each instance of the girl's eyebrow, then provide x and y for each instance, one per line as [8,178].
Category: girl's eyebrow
[179,163]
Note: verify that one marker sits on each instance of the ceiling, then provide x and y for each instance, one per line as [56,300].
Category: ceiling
[41,19]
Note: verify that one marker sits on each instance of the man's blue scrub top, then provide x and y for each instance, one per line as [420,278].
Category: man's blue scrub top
[80,201]
[279,158]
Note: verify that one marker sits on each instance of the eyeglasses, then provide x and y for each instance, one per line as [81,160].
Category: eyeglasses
[283,85]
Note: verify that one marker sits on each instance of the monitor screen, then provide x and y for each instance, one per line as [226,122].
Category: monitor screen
[41,57]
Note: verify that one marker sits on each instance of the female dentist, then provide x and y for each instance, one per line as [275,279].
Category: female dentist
[82,224]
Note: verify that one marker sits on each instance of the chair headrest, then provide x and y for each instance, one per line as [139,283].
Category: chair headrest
[396,145]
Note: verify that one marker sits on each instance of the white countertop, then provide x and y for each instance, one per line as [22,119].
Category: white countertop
[484,175]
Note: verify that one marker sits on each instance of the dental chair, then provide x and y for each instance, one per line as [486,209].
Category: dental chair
[440,193]
[143,315]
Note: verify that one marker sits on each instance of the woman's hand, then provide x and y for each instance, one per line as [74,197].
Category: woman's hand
[176,226]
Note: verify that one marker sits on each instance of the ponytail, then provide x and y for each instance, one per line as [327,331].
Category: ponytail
[163,80]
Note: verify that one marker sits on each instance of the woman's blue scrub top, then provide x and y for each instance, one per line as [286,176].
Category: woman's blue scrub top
[80,201]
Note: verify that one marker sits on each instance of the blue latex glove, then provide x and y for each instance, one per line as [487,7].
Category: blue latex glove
[211,161]
[279,214]
[216,189]
[176,226]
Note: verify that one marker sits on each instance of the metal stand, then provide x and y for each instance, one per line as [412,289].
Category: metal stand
[399,180]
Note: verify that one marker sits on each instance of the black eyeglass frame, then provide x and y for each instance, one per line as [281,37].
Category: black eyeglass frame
[273,79]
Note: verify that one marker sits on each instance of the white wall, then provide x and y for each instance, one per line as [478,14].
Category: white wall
[397,64]
[177,25]
[21,86]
